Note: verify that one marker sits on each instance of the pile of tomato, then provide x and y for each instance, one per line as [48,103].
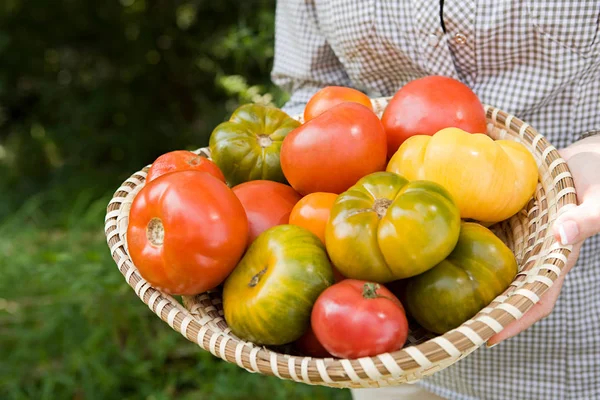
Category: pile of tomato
[331,234]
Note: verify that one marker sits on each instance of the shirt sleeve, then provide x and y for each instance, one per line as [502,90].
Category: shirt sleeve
[304,61]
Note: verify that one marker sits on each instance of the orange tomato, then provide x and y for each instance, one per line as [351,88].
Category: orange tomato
[331,96]
[312,212]
[182,160]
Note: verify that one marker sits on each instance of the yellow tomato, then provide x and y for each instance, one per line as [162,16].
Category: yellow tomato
[489,180]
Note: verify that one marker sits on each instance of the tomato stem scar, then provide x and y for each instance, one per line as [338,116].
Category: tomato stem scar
[264,141]
[380,206]
[195,161]
[155,232]
[256,278]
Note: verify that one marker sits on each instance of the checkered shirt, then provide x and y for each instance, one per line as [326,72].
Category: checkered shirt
[536,59]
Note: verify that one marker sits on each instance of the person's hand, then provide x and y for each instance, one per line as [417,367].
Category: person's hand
[572,227]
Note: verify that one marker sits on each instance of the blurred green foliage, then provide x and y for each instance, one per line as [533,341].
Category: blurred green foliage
[71,328]
[89,93]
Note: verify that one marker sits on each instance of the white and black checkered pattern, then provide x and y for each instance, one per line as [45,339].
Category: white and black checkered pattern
[536,59]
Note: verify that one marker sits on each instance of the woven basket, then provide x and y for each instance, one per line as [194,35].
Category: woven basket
[528,234]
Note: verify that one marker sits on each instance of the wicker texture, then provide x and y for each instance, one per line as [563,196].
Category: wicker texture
[528,234]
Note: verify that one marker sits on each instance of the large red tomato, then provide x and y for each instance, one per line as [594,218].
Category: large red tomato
[354,319]
[333,151]
[187,231]
[427,105]
[182,160]
[267,204]
[331,96]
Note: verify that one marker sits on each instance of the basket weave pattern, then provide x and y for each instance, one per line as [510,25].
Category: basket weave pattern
[528,234]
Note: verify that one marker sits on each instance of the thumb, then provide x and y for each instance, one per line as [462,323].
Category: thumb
[579,223]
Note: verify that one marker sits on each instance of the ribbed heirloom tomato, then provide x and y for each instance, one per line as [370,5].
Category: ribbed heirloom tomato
[333,151]
[331,96]
[490,180]
[480,268]
[182,160]
[267,204]
[386,228]
[354,318]
[187,230]
[246,147]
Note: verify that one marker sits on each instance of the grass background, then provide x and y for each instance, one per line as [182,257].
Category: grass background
[71,328]
[89,93]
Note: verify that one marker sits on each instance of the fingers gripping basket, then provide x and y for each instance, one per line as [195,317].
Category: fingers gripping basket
[528,234]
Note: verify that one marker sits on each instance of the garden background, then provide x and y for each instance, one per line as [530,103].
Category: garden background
[89,93]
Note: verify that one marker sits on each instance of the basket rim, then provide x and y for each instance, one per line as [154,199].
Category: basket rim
[408,364]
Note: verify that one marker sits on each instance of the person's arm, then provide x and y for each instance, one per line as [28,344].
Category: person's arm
[572,227]
[304,61]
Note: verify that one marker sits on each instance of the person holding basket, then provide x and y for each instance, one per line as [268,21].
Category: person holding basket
[538,60]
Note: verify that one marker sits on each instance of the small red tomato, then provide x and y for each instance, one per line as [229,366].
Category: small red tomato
[186,233]
[310,346]
[427,105]
[331,96]
[267,204]
[337,275]
[354,319]
[182,160]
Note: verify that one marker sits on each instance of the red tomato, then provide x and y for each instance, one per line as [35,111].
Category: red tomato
[337,275]
[309,345]
[354,319]
[427,105]
[312,212]
[182,160]
[187,231]
[331,96]
[333,151]
[267,204]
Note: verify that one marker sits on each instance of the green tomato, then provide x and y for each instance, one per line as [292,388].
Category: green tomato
[269,296]
[386,228]
[247,147]
[480,268]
